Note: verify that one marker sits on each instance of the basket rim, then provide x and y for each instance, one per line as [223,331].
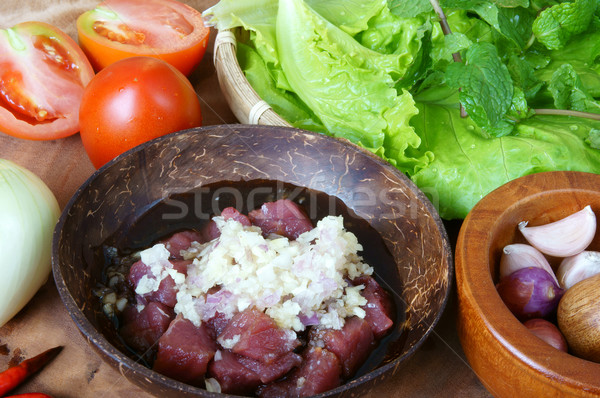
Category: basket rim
[243,100]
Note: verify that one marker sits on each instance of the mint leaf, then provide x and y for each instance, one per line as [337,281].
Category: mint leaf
[453,43]
[409,9]
[556,25]
[515,25]
[541,4]
[471,4]
[510,21]
[463,4]
[523,75]
[568,91]
[512,3]
[486,88]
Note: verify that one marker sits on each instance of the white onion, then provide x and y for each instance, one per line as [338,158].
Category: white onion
[28,214]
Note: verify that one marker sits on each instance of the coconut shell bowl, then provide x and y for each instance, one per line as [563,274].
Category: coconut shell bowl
[179,180]
[509,359]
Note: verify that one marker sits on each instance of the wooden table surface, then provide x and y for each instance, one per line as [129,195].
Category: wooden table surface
[438,369]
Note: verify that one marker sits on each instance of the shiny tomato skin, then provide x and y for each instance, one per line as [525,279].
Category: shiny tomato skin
[133,101]
[43,73]
[165,29]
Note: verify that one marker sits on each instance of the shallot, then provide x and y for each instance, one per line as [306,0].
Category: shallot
[548,332]
[530,293]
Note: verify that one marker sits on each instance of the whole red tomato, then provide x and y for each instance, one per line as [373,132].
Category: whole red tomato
[133,101]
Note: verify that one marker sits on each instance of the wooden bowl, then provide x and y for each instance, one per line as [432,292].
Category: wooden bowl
[151,191]
[507,358]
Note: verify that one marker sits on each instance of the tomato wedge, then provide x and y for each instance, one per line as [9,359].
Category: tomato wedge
[165,29]
[43,73]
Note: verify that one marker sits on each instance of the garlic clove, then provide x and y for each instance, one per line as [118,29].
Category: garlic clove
[577,268]
[565,237]
[520,255]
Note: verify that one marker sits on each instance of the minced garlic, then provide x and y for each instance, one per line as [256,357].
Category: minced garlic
[297,282]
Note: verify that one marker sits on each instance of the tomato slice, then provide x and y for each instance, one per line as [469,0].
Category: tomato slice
[43,73]
[165,29]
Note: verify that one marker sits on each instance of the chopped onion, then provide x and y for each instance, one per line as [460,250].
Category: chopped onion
[28,214]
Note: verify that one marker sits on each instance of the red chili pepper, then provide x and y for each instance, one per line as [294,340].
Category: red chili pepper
[30,395]
[15,375]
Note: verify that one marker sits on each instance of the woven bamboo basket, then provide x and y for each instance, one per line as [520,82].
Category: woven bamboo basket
[245,103]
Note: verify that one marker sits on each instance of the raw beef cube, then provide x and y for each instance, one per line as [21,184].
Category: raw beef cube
[241,375]
[282,217]
[181,241]
[379,308]
[184,351]
[211,231]
[274,370]
[231,212]
[254,334]
[136,272]
[232,375]
[141,330]
[167,291]
[321,371]
[217,324]
[352,343]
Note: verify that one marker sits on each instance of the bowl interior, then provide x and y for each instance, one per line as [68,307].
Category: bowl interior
[181,180]
[492,224]
[540,209]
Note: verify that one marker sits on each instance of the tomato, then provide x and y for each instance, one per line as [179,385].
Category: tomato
[42,76]
[133,101]
[165,29]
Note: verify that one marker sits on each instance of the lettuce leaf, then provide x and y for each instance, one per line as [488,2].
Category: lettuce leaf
[467,166]
[348,86]
[409,9]
[285,103]
[594,139]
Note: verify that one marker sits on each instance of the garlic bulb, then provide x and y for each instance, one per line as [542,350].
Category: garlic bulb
[519,255]
[577,268]
[565,237]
